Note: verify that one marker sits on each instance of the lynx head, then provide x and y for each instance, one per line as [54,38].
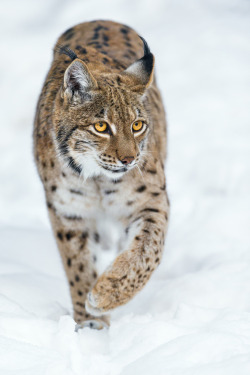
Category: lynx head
[100,120]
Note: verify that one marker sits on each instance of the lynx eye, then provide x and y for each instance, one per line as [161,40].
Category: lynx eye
[101,126]
[137,125]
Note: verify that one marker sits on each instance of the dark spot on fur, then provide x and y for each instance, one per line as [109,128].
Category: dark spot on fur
[72,283]
[53,188]
[80,293]
[152,171]
[137,238]
[132,52]
[81,267]
[49,205]
[155,194]
[78,192]
[80,304]
[150,210]
[84,235]
[60,236]
[95,44]
[124,31]
[68,34]
[72,217]
[98,28]
[149,220]
[81,50]
[157,260]
[79,313]
[69,235]
[107,192]
[129,203]
[69,262]
[77,278]
[94,275]
[96,35]
[116,181]
[146,231]
[141,188]
[52,164]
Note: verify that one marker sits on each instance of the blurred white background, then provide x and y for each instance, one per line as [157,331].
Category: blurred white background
[194,315]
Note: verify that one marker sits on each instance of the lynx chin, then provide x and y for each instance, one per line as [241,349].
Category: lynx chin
[100,148]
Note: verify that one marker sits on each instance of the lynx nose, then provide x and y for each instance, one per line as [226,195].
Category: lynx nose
[127,160]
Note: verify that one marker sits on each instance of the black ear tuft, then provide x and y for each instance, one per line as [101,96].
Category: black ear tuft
[145,46]
[64,50]
[143,68]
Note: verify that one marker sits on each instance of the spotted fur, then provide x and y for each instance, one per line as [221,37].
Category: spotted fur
[96,182]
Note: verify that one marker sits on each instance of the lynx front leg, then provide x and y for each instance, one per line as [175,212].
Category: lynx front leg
[74,242]
[132,269]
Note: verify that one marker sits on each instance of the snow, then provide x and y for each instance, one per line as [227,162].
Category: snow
[193,317]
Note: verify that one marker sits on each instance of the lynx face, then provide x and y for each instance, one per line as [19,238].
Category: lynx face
[100,121]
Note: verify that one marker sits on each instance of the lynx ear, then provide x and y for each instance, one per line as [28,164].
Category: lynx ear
[78,81]
[143,69]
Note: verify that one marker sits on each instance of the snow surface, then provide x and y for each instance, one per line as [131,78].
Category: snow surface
[193,317]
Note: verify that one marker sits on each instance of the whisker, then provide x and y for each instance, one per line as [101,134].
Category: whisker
[138,168]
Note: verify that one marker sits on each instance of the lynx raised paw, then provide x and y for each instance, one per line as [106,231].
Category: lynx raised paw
[109,293]
[91,305]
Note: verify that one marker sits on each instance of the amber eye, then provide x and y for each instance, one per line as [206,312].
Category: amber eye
[101,126]
[137,125]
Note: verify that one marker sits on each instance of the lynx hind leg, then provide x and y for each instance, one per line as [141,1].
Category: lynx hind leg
[74,244]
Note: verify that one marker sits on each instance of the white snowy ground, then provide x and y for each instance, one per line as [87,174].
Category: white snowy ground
[193,317]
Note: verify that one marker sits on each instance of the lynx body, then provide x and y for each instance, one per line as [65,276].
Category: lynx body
[100,147]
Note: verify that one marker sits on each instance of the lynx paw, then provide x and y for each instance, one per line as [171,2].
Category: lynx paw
[107,295]
[94,324]
[91,305]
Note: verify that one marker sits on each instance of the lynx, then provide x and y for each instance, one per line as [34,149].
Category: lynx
[100,148]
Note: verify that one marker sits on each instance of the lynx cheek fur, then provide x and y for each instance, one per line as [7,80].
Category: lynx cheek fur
[100,147]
